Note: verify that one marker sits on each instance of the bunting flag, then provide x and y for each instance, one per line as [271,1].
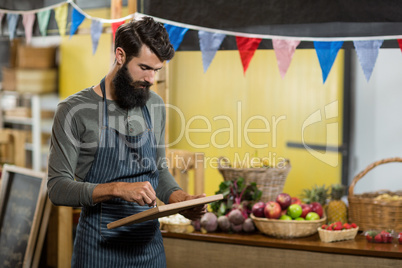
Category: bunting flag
[115,26]
[209,44]
[12,20]
[76,19]
[43,21]
[400,43]
[60,14]
[326,53]
[247,48]
[176,34]
[96,30]
[367,52]
[284,50]
[28,22]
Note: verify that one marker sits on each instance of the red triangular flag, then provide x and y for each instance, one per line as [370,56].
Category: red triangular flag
[116,25]
[400,43]
[247,47]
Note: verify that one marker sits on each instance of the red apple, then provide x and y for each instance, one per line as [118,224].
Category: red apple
[295,200]
[258,209]
[317,208]
[272,210]
[400,238]
[305,210]
[284,200]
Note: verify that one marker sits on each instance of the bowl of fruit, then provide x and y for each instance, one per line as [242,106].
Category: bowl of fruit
[337,231]
[287,217]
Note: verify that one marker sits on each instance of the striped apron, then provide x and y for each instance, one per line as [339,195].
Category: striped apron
[120,158]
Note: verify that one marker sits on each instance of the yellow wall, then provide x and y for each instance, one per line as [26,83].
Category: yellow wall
[79,67]
[222,100]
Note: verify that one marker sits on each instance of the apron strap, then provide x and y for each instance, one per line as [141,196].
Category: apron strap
[105,113]
[147,117]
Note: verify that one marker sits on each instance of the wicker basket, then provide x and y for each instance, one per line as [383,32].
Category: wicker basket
[269,180]
[369,213]
[287,229]
[333,236]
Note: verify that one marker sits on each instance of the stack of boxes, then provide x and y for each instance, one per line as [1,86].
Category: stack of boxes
[32,70]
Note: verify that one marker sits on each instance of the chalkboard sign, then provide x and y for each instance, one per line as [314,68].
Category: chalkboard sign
[22,198]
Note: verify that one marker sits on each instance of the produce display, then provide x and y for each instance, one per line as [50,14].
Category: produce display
[388,197]
[337,231]
[286,207]
[317,194]
[337,210]
[338,226]
[176,223]
[383,236]
[232,213]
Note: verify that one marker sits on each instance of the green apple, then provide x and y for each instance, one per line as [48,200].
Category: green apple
[294,211]
[312,216]
[285,218]
[299,219]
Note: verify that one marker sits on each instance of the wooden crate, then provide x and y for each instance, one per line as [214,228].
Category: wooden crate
[30,80]
[29,57]
[26,112]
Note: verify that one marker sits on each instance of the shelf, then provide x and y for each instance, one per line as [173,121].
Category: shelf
[44,148]
[17,120]
[46,124]
[39,124]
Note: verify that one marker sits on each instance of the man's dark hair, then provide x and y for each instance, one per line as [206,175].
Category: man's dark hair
[146,31]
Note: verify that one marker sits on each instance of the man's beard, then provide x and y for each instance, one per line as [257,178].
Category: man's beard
[128,93]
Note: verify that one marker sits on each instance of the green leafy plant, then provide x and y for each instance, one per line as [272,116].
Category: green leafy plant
[237,194]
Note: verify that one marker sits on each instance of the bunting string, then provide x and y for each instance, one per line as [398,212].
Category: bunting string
[210,40]
[267,36]
[138,15]
[34,10]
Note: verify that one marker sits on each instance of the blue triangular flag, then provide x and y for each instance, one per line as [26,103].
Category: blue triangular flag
[367,52]
[209,44]
[12,20]
[176,34]
[96,30]
[326,53]
[76,19]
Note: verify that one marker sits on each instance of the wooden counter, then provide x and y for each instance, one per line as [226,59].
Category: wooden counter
[257,250]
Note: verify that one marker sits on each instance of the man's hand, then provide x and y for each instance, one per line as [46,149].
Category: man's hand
[192,213]
[140,192]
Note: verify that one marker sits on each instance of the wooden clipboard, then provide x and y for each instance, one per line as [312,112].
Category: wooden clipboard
[162,211]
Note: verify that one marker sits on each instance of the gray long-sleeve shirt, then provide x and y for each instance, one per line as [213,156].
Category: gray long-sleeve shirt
[75,137]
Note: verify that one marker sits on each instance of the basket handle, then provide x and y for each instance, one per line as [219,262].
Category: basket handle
[367,169]
[223,159]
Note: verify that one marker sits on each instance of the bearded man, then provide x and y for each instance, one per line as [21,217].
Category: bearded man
[107,154]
